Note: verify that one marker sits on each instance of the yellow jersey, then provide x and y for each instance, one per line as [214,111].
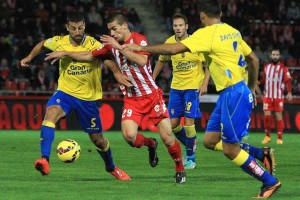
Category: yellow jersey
[224,51]
[80,79]
[187,68]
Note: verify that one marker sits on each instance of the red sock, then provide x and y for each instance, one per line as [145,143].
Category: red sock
[267,121]
[141,140]
[279,128]
[175,153]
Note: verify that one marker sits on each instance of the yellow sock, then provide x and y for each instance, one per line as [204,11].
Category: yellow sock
[219,146]
[241,158]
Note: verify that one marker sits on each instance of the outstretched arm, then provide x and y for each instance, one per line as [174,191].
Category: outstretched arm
[34,52]
[130,55]
[81,56]
[164,49]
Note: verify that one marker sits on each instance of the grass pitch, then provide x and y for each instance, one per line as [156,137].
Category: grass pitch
[215,176]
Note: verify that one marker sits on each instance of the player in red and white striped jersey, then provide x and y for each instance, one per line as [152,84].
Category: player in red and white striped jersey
[275,78]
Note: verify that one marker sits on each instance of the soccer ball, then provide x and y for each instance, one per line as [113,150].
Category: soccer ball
[68,151]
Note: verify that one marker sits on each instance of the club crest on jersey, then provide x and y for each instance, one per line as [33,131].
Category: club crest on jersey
[143,43]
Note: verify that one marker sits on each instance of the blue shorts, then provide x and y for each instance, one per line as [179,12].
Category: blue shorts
[87,112]
[184,103]
[231,116]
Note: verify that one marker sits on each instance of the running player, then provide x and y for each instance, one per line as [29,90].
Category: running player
[79,88]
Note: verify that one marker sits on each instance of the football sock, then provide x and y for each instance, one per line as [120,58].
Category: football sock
[107,157]
[253,151]
[46,138]
[219,146]
[190,142]
[180,134]
[279,128]
[267,121]
[141,140]
[175,153]
[251,167]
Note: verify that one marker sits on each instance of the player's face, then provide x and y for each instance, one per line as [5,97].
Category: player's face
[179,27]
[76,30]
[275,56]
[117,31]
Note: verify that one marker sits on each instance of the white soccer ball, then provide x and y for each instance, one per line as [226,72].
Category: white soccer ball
[68,150]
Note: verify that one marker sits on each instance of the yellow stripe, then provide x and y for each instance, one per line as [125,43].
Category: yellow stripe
[219,146]
[177,129]
[241,158]
[105,149]
[48,123]
[190,131]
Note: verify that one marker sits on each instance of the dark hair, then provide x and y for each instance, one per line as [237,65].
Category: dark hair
[181,16]
[117,16]
[75,17]
[212,8]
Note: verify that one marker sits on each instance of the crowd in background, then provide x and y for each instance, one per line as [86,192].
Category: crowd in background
[263,24]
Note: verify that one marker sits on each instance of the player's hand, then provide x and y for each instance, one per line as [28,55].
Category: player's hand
[25,62]
[123,79]
[55,55]
[132,47]
[289,96]
[202,90]
[108,40]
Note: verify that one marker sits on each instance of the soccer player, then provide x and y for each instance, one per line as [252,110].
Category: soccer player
[275,77]
[227,55]
[79,88]
[143,99]
[188,83]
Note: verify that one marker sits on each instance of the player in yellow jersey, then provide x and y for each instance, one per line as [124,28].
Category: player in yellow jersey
[79,88]
[226,54]
[188,82]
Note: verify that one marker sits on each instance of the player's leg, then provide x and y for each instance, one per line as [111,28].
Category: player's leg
[104,150]
[235,118]
[54,111]
[191,112]
[164,127]
[278,108]
[88,115]
[176,111]
[267,108]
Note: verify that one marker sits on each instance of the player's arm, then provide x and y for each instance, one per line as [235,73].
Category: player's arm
[288,84]
[203,86]
[80,56]
[165,49]
[253,66]
[34,52]
[121,78]
[157,69]
[139,59]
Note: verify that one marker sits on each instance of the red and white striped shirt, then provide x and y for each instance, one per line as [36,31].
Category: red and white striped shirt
[275,78]
[140,76]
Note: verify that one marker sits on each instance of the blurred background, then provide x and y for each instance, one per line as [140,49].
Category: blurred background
[23,23]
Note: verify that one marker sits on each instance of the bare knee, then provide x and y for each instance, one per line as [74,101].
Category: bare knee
[211,139]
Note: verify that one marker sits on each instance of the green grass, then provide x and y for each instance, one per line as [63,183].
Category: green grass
[215,176]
